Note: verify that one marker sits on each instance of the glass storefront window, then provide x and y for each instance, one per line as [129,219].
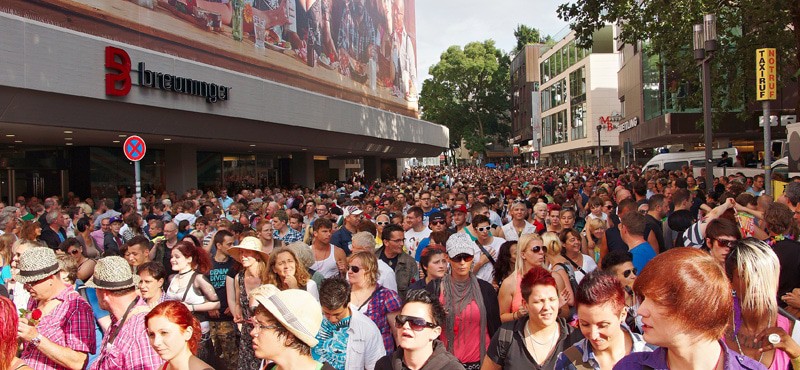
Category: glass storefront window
[109,170]
[577,116]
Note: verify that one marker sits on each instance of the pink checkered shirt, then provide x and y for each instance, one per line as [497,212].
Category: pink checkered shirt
[131,349]
[70,324]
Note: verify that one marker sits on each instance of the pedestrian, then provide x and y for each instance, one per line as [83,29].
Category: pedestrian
[285,272]
[283,328]
[402,264]
[254,273]
[175,335]
[8,337]
[375,301]
[685,310]
[433,265]
[63,339]
[419,326]
[531,254]
[126,346]
[151,283]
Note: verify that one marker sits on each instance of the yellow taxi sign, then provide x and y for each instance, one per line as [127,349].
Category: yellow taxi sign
[766,74]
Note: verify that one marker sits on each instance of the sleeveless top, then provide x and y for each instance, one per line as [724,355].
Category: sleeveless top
[326,267]
[193,297]
[516,298]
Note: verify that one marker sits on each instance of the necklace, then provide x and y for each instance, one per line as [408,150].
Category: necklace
[736,338]
[184,273]
[530,340]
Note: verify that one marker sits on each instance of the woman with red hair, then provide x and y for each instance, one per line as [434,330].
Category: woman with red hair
[533,341]
[686,305]
[8,337]
[175,334]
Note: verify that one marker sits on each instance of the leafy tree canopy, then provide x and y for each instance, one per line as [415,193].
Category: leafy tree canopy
[468,93]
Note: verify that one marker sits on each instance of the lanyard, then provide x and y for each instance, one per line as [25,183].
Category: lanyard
[115,332]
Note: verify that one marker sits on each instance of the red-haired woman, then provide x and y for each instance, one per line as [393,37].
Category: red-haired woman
[192,288]
[533,341]
[8,337]
[600,299]
[686,304]
[175,334]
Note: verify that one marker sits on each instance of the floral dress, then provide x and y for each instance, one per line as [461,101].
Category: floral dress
[247,357]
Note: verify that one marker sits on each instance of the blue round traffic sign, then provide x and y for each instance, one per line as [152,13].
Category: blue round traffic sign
[134,148]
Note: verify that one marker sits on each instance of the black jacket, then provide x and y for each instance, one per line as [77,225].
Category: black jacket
[440,359]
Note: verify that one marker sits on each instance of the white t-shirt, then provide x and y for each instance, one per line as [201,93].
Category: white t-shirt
[588,266]
[486,272]
[414,237]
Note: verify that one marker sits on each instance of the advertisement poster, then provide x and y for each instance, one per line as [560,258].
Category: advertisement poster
[365,46]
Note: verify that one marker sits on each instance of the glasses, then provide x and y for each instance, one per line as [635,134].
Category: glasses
[627,273]
[257,327]
[74,252]
[725,243]
[451,199]
[437,222]
[321,210]
[382,223]
[464,257]
[538,248]
[415,323]
[355,269]
[32,284]
[483,228]
[608,206]
[397,240]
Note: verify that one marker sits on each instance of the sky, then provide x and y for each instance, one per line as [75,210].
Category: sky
[442,23]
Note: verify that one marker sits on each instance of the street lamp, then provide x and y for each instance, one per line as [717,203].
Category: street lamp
[705,44]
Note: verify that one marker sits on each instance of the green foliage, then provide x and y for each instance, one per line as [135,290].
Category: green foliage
[666,26]
[468,93]
[529,35]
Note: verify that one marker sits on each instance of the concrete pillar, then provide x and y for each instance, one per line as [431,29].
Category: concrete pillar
[181,167]
[372,168]
[302,169]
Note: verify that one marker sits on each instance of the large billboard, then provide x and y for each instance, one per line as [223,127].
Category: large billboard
[359,50]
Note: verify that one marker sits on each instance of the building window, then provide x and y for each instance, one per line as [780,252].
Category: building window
[577,85]
[577,121]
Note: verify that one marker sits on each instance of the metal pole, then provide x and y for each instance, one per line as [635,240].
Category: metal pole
[767,149]
[707,122]
[138,174]
[599,145]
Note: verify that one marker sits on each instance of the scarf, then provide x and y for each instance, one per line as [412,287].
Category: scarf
[457,295]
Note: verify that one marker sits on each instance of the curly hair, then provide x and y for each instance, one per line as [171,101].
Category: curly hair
[300,272]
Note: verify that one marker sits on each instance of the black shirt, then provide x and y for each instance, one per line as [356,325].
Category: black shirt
[788,252]
[614,240]
[217,274]
[655,226]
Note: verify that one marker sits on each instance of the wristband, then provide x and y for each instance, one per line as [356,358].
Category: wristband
[192,307]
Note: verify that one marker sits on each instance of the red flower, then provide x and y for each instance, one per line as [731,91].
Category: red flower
[36,314]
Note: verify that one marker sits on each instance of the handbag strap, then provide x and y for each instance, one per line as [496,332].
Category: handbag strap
[188,286]
[491,259]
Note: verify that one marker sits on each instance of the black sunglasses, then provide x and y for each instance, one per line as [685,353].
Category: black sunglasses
[416,323]
[725,243]
[355,269]
[537,249]
[463,257]
[382,223]
[437,222]
[628,273]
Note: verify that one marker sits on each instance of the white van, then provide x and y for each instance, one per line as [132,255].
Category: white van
[676,161]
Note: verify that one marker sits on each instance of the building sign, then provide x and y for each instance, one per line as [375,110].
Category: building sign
[766,74]
[629,124]
[119,81]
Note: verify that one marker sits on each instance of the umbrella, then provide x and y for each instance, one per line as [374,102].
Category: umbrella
[491,165]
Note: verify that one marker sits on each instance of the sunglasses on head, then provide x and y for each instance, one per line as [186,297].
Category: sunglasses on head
[463,257]
[416,323]
[355,269]
[483,228]
[538,248]
[628,273]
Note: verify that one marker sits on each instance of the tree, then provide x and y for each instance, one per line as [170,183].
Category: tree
[468,93]
[529,35]
[665,29]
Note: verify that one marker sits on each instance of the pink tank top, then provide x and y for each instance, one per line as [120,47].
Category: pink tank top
[516,299]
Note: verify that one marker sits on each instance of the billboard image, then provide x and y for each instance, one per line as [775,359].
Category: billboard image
[363,47]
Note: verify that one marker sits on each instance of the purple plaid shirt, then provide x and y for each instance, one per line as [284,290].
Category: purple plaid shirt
[131,349]
[70,324]
[384,302]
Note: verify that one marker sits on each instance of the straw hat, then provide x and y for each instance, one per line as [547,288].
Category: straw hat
[112,273]
[36,264]
[249,243]
[296,309]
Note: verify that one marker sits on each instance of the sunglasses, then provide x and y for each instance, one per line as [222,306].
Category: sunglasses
[464,257]
[355,269]
[725,243]
[416,323]
[483,228]
[382,223]
[628,273]
[437,222]
[537,249]
[74,252]
[609,206]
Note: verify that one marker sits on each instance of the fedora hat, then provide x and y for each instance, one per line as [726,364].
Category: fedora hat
[36,264]
[297,310]
[112,273]
[249,243]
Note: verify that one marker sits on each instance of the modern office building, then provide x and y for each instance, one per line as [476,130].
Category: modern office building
[525,101]
[579,101]
[224,93]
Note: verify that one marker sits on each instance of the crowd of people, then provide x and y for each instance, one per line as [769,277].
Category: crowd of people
[442,268]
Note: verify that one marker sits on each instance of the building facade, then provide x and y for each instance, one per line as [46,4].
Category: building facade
[579,101]
[224,94]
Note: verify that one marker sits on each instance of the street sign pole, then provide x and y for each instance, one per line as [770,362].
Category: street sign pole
[766,90]
[134,149]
